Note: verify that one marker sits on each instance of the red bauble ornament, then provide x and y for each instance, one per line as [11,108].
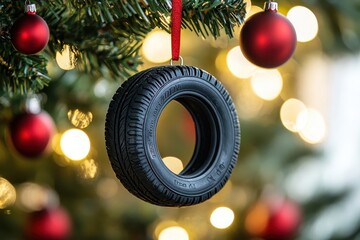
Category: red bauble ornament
[283,222]
[30,133]
[268,39]
[30,33]
[274,219]
[54,224]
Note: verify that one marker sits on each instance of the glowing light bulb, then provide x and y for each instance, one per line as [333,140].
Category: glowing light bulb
[315,129]
[75,144]
[7,193]
[173,164]
[267,84]
[174,233]
[66,59]
[157,46]
[222,217]
[238,65]
[293,115]
[304,22]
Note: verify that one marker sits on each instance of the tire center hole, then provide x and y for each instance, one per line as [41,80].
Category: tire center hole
[175,136]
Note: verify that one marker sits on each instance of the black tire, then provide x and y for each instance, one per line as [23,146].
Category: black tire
[130,133]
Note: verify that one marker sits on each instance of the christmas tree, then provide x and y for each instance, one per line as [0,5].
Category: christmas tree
[56,181]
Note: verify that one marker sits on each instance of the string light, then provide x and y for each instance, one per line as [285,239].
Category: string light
[66,58]
[7,193]
[75,144]
[157,46]
[222,217]
[173,164]
[238,65]
[293,115]
[267,84]
[305,23]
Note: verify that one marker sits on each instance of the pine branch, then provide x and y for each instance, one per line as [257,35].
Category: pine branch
[105,35]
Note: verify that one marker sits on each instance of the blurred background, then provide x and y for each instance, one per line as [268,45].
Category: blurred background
[297,175]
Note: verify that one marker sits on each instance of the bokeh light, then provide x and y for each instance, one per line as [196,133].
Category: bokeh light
[224,193]
[102,88]
[293,115]
[107,188]
[7,193]
[257,218]
[173,164]
[33,104]
[174,233]
[160,226]
[248,104]
[315,129]
[34,197]
[304,22]
[88,169]
[267,83]
[250,10]
[253,9]
[222,217]
[238,65]
[55,143]
[75,144]
[248,7]
[157,46]
[66,59]
[79,118]
[220,60]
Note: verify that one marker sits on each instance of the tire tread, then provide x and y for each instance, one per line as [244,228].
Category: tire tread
[124,121]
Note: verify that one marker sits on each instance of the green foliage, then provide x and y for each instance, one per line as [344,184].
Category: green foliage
[105,36]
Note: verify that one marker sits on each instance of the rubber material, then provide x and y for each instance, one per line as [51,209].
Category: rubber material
[130,134]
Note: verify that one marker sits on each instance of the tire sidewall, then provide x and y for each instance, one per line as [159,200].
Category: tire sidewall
[207,92]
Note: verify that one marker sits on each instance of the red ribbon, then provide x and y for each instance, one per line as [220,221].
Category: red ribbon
[176,28]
